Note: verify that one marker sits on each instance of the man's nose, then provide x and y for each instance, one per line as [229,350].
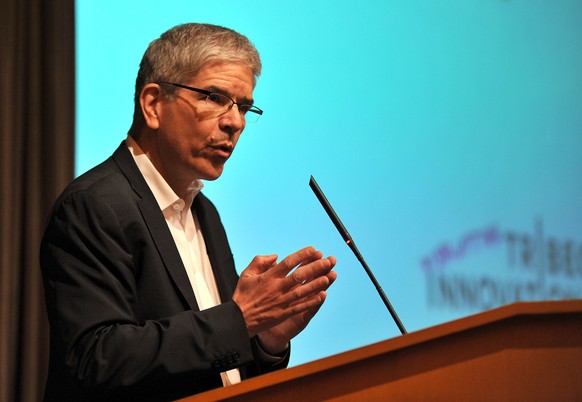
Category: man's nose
[233,119]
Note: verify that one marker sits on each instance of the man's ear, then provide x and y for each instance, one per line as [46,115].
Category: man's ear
[150,100]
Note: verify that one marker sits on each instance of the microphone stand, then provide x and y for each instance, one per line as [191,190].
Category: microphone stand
[349,241]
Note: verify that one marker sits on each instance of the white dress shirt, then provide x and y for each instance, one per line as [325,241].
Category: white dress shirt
[186,232]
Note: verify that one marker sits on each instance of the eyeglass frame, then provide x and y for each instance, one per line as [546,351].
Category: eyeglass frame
[251,108]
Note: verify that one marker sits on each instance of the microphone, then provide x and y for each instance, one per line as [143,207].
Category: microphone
[350,242]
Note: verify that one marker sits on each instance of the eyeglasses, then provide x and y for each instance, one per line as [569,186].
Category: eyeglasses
[221,103]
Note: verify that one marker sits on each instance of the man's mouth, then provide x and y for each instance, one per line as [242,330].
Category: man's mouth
[223,149]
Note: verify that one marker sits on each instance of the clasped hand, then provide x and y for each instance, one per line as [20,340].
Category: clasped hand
[278,299]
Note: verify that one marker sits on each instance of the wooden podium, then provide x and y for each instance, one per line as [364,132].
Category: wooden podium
[519,352]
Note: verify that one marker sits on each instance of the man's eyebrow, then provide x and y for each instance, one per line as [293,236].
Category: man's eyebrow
[243,101]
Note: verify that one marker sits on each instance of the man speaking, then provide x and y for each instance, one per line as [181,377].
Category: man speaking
[143,298]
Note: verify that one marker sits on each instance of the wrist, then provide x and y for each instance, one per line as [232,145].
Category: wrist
[269,344]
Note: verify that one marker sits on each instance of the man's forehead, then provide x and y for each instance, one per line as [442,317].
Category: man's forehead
[225,75]
[224,65]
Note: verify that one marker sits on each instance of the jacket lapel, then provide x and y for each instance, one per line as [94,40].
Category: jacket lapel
[217,247]
[156,224]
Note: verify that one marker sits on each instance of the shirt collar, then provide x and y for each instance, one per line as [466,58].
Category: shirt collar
[163,193]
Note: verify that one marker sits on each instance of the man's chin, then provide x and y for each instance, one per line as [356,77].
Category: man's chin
[207,168]
[212,174]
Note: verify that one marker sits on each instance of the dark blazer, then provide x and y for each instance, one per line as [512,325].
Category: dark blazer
[124,321]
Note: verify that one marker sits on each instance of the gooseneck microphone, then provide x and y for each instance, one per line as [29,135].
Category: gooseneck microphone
[349,241]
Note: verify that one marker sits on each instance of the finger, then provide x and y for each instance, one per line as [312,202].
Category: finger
[310,288]
[260,264]
[332,261]
[309,313]
[304,263]
[331,276]
[312,303]
[311,259]
[308,272]
[295,259]
[306,291]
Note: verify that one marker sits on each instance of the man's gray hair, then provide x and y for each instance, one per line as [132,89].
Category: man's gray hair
[179,54]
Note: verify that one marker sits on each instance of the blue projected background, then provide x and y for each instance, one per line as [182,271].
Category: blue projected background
[446,134]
